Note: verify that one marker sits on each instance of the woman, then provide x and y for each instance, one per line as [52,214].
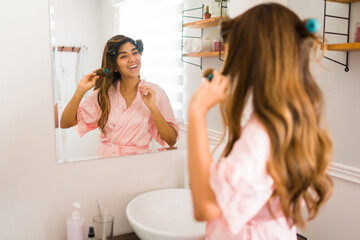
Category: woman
[129,111]
[276,163]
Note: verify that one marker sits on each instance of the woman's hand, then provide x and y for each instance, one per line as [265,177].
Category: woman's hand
[148,96]
[87,82]
[209,93]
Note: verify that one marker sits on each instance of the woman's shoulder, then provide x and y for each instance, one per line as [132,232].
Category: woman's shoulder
[92,94]
[254,132]
[252,150]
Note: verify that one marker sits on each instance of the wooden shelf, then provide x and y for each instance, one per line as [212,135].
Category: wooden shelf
[203,54]
[344,1]
[205,23]
[345,47]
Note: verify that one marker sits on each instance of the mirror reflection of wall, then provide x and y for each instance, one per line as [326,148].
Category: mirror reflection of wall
[86,25]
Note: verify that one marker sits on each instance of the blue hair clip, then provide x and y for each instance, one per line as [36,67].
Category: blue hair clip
[106,70]
[312,25]
[110,39]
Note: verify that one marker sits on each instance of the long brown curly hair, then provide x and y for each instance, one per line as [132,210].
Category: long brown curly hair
[268,55]
[110,54]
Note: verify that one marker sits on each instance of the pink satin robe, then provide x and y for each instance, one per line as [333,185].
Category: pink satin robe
[129,130]
[242,187]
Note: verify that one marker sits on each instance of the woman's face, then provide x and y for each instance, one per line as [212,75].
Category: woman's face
[128,61]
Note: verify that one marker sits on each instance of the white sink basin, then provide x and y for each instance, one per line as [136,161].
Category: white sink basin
[165,214]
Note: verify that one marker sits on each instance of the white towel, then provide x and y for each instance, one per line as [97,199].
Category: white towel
[187,45]
[201,45]
[198,45]
[82,64]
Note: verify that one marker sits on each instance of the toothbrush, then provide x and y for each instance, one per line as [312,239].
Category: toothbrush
[99,210]
[104,223]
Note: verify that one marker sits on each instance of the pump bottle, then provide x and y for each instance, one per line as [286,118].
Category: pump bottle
[75,224]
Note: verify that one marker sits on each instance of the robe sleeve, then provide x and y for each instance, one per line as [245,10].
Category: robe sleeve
[240,181]
[164,106]
[88,114]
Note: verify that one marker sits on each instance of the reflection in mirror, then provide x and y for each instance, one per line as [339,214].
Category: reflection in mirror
[143,79]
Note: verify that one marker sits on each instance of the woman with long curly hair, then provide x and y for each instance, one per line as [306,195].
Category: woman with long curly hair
[129,111]
[276,164]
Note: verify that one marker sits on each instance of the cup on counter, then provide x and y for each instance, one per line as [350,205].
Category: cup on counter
[103,228]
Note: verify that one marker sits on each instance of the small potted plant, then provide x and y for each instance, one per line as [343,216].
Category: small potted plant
[207,14]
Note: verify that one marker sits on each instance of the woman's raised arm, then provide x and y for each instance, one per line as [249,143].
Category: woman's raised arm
[69,115]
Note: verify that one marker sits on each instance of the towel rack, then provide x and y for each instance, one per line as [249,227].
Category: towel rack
[68,49]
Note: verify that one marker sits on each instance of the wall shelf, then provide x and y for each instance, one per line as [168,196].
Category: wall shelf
[344,1]
[203,54]
[206,23]
[200,24]
[344,47]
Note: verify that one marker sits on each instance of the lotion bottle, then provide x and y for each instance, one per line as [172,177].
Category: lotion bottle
[75,224]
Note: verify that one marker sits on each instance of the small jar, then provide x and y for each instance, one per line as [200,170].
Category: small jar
[216,45]
[357,32]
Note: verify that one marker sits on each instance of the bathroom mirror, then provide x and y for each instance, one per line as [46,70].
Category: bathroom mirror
[79,31]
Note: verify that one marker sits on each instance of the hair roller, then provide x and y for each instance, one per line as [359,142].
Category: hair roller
[312,25]
[102,72]
[139,45]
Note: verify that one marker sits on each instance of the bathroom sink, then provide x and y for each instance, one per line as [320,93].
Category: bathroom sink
[165,214]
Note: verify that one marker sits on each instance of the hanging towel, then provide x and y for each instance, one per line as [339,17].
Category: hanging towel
[82,64]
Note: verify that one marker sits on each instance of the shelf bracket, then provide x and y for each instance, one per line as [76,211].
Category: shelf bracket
[221,12]
[346,64]
[182,33]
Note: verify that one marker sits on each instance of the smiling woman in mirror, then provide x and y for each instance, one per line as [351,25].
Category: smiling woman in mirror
[129,111]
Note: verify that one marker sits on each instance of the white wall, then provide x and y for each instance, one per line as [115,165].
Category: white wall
[237,7]
[80,22]
[36,193]
[107,16]
[339,218]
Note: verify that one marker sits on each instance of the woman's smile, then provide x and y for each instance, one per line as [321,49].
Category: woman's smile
[133,67]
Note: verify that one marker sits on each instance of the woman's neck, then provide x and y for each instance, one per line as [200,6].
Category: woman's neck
[129,84]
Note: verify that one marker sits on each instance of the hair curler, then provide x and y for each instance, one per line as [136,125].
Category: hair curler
[208,73]
[312,25]
[102,72]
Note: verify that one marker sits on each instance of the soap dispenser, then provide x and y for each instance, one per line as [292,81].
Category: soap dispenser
[75,224]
